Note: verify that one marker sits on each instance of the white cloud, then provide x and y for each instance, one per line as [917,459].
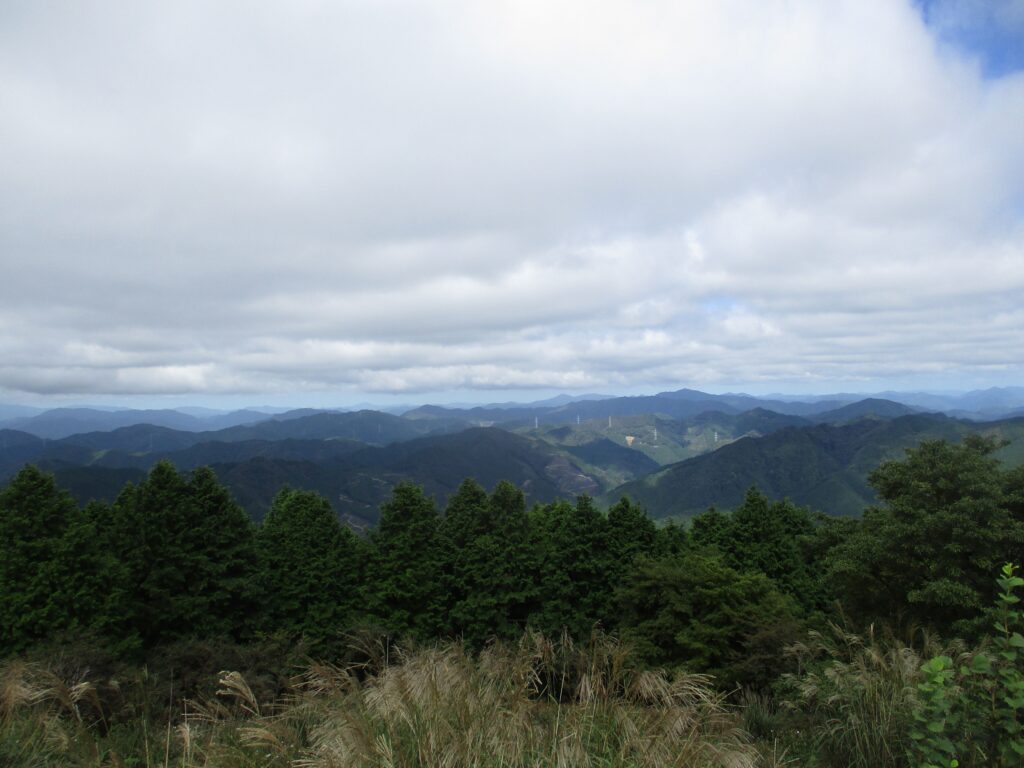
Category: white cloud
[453,195]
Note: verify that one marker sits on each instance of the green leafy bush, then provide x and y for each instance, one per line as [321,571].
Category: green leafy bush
[969,713]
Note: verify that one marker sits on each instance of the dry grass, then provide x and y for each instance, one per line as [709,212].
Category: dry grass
[857,693]
[534,703]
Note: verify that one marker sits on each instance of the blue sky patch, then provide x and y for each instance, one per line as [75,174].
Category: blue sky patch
[990,30]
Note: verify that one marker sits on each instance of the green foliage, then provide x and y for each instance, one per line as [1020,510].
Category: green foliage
[55,576]
[190,556]
[972,714]
[630,534]
[312,569]
[773,538]
[404,584]
[573,565]
[487,562]
[936,716]
[949,520]
[698,613]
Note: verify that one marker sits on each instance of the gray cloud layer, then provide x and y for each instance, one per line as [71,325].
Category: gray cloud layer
[416,197]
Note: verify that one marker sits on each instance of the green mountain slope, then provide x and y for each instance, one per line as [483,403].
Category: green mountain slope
[665,440]
[356,479]
[823,466]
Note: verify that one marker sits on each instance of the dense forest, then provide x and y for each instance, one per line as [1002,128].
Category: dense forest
[788,637]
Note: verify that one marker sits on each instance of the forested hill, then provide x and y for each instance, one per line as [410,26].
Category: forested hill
[682,404]
[823,466]
[672,466]
[355,477]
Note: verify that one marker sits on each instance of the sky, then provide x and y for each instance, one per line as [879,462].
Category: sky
[322,203]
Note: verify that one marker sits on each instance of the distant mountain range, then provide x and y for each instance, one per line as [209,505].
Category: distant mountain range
[62,422]
[676,453]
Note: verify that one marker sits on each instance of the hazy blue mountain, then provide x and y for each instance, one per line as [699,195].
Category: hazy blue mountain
[17,449]
[20,448]
[13,438]
[551,402]
[734,403]
[991,400]
[93,483]
[8,412]
[315,437]
[231,419]
[299,413]
[584,410]
[680,404]
[63,422]
[479,415]
[138,438]
[871,407]
[216,452]
[364,426]
[675,452]
[983,404]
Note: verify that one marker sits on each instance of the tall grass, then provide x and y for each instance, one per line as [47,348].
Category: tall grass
[533,703]
[853,700]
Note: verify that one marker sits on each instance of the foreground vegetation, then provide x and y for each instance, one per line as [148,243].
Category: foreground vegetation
[532,703]
[424,641]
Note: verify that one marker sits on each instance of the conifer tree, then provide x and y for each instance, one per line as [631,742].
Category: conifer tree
[54,575]
[631,533]
[574,587]
[488,559]
[773,538]
[190,555]
[405,565]
[311,567]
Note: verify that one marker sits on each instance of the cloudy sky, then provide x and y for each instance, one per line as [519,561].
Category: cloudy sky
[327,202]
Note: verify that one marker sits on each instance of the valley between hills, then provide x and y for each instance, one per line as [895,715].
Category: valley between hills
[674,453]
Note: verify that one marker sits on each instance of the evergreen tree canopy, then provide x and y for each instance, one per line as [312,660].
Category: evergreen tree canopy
[949,518]
[311,566]
[698,613]
[487,562]
[54,575]
[630,533]
[190,555]
[405,591]
[575,588]
[769,537]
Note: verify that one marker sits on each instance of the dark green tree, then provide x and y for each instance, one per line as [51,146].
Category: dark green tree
[774,538]
[404,589]
[574,585]
[312,569]
[672,539]
[190,555]
[712,528]
[488,562]
[949,518]
[54,574]
[698,613]
[630,533]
